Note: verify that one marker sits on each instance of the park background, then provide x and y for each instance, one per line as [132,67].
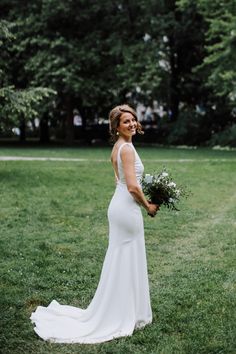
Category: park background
[63,66]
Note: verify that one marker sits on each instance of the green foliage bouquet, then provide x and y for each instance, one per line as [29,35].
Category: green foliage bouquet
[160,189]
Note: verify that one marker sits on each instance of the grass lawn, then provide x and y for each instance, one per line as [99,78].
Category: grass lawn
[53,238]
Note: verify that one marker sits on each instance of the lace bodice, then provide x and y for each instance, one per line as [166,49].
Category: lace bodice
[139,168]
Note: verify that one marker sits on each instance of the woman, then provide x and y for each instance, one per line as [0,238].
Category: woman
[121,302]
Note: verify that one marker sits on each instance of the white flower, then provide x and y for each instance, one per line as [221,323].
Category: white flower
[171,200]
[172,184]
[164,174]
[148,178]
[177,192]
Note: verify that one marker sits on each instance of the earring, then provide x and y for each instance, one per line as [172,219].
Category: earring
[117,133]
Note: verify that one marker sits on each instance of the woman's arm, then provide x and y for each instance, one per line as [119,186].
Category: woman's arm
[128,160]
[116,178]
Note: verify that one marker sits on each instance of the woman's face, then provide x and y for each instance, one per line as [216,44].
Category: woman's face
[128,125]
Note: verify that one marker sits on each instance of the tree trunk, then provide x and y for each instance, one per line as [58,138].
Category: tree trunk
[86,117]
[69,121]
[22,128]
[174,91]
[44,130]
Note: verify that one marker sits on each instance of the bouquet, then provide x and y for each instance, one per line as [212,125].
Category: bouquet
[161,190]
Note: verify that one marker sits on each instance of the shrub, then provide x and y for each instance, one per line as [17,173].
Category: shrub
[190,129]
[225,138]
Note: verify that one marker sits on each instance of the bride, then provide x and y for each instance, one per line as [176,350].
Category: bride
[121,302]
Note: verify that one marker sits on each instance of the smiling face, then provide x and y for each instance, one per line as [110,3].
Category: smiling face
[127,126]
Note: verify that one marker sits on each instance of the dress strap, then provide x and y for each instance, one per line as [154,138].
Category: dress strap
[121,146]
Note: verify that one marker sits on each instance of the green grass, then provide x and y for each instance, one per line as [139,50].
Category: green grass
[53,238]
[104,152]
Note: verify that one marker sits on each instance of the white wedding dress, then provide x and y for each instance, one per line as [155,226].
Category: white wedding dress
[121,302]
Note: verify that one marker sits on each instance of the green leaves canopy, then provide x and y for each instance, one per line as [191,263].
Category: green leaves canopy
[15,103]
[95,55]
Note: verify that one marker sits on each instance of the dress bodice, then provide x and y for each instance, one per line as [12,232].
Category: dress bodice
[139,168]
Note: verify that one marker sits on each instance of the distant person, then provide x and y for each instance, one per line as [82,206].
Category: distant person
[121,302]
[77,120]
[142,116]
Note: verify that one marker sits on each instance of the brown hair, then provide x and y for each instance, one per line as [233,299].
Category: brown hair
[114,119]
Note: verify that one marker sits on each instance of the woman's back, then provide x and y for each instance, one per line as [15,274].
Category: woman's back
[118,166]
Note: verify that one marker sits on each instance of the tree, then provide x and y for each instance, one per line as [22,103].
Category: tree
[61,46]
[218,66]
[221,46]
[166,45]
[16,105]
[95,55]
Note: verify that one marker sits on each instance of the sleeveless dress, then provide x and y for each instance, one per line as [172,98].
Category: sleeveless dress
[121,302]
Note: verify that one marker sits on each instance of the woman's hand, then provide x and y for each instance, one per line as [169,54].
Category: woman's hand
[152,209]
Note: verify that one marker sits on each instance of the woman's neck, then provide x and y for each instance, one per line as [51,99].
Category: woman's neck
[125,140]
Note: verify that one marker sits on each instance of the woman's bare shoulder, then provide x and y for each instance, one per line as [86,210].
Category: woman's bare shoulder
[127,151]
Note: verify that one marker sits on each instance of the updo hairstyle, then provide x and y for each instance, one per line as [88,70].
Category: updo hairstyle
[114,119]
